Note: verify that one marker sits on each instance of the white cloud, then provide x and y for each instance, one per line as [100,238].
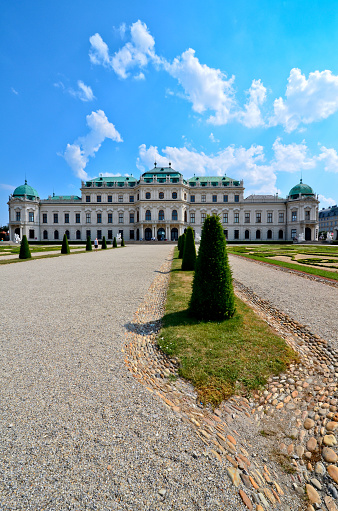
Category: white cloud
[205,87]
[84,92]
[330,157]
[140,76]
[326,202]
[213,139]
[14,91]
[78,153]
[237,162]
[292,157]
[7,187]
[251,116]
[135,53]
[307,100]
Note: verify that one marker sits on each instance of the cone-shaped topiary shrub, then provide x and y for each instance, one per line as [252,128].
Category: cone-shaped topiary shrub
[65,246]
[89,244]
[189,252]
[25,253]
[114,243]
[104,243]
[212,292]
[123,243]
[179,242]
[181,248]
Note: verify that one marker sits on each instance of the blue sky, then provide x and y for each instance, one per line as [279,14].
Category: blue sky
[246,88]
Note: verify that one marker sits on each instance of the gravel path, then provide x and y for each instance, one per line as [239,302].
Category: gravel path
[77,430]
[312,303]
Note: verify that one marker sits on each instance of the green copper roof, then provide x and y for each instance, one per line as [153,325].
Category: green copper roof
[65,197]
[27,190]
[203,180]
[110,180]
[161,174]
[300,189]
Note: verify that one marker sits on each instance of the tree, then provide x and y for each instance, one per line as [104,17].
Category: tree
[104,243]
[65,246]
[89,244]
[123,243]
[181,248]
[212,291]
[189,251]
[25,253]
[114,243]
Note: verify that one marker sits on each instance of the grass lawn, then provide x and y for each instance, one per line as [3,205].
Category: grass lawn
[219,358]
[316,257]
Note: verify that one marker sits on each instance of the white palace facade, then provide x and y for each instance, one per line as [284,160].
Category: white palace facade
[161,205]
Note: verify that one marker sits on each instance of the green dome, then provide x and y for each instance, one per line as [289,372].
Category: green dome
[25,189]
[301,189]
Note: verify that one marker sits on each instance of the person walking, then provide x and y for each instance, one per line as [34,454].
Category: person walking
[96,244]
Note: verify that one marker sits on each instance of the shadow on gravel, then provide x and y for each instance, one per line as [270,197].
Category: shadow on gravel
[179,318]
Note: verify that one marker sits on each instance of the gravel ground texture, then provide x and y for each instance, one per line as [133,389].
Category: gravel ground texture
[78,432]
[312,303]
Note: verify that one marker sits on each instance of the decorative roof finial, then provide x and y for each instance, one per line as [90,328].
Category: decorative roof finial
[155,164]
[170,164]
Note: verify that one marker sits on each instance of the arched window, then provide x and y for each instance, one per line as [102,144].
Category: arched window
[148,195]
[185,216]
[174,215]
[247,234]
[56,235]
[138,216]
[269,234]
[258,234]
[78,235]
[45,235]
[161,215]
[280,234]
[148,214]
[161,195]
[174,195]
[67,234]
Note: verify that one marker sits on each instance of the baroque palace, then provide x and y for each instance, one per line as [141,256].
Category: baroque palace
[160,205]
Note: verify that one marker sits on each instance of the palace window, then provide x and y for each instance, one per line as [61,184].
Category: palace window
[226,233]
[87,218]
[174,215]
[161,215]
[148,214]
[99,234]
[281,217]
[31,234]
[148,195]
[258,234]
[161,195]
[45,235]
[66,218]
[258,218]
[225,218]
[192,198]
[56,218]
[269,236]
[204,198]
[131,198]
[131,234]
[225,198]
[99,218]
[18,216]
[307,215]
[120,198]
[269,218]
[236,234]
[88,233]
[236,218]
[67,234]
[203,215]
[294,216]
[98,198]
[56,235]
[247,234]
[192,218]
[110,234]
[174,195]
[31,217]
[120,218]
[78,235]
[110,198]
[87,198]
[214,198]
[44,218]
[110,218]
[236,198]
[77,218]
[131,218]
[246,218]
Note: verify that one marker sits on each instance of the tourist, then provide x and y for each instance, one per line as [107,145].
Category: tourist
[96,244]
